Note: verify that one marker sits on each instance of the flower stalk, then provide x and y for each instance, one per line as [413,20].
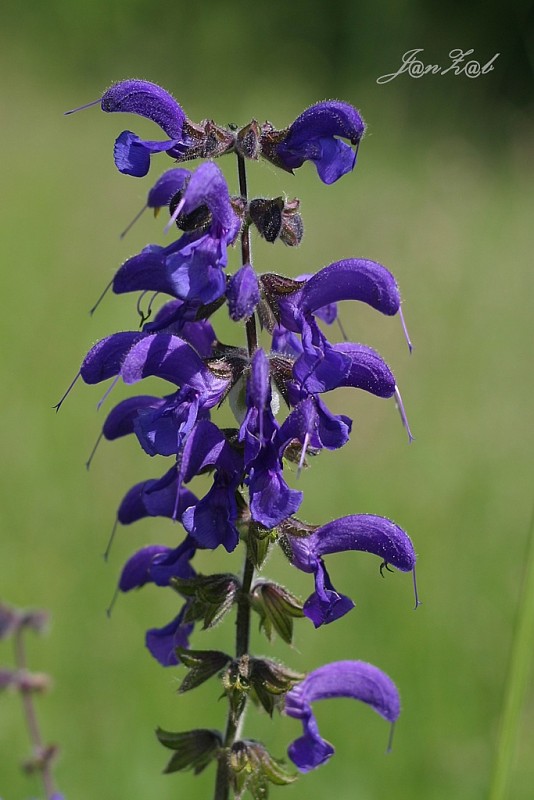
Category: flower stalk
[15,624]
[276,387]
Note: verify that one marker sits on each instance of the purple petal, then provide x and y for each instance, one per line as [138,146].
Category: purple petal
[195,269]
[162,430]
[271,499]
[326,604]
[352,279]
[329,118]
[145,271]
[120,421]
[207,186]
[285,341]
[167,185]
[132,154]
[146,500]
[206,447]
[311,422]
[147,100]
[136,571]
[313,137]
[104,360]
[162,642]
[333,160]
[174,564]
[169,357]
[368,370]
[320,368]
[364,532]
[259,385]
[242,293]
[212,521]
[354,679]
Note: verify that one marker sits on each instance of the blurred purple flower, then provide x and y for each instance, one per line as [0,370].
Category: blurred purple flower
[354,679]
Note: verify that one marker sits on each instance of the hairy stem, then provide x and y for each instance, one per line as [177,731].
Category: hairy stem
[246,257]
[31,719]
[242,635]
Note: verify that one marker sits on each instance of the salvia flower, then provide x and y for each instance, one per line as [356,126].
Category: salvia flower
[364,532]
[353,679]
[132,154]
[226,485]
[192,268]
[316,135]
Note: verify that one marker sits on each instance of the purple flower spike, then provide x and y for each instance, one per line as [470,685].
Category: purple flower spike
[132,154]
[364,532]
[313,137]
[354,679]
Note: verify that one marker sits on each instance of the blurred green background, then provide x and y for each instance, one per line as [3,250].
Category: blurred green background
[443,196]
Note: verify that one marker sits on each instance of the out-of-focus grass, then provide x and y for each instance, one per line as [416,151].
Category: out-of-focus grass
[456,228]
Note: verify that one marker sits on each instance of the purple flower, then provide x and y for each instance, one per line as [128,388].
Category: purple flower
[135,356]
[243,293]
[132,154]
[271,499]
[212,521]
[363,532]
[311,422]
[158,564]
[354,679]
[314,137]
[167,186]
[162,642]
[180,318]
[162,497]
[192,268]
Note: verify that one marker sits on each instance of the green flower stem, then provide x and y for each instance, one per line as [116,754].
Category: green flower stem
[233,723]
[519,669]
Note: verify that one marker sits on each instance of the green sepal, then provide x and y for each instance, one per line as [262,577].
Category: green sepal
[252,768]
[277,607]
[193,749]
[236,683]
[202,665]
[270,681]
[259,540]
[211,596]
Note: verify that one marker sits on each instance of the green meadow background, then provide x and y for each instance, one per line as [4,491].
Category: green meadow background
[443,196]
